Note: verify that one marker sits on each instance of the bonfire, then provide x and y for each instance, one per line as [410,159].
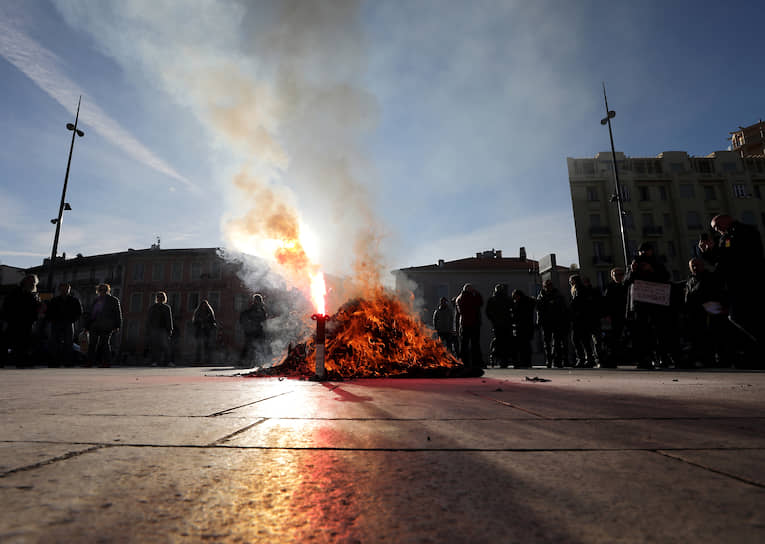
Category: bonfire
[372,337]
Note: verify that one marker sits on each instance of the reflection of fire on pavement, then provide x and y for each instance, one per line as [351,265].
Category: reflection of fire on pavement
[371,337]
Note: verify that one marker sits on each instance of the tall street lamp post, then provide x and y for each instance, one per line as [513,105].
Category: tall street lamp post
[63,205]
[617,196]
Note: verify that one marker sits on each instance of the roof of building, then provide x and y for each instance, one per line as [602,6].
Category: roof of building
[476,263]
[150,252]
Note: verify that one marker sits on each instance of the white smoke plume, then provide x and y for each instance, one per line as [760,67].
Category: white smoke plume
[277,84]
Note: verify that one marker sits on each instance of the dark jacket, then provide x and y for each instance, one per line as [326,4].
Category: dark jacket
[615,301]
[443,320]
[204,319]
[585,308]
[20,309]
[106,314]
[499,310]
[160,318]
[705,287]
[737,255]
[64,310]
[469,309]
[551,309]
[252,319]
[523,317]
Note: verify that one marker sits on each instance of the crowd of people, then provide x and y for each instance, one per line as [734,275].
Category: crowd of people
[712,319]
[59,332]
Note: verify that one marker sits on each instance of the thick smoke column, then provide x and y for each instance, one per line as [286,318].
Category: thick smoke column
[277,85]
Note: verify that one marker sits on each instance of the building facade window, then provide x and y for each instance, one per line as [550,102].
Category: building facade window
[157,270]
[598,248]
[138,272]
[136,302]
[625,193]
[757,191]
[594,219]
[662,192]
[687,191]
[215,269]
[241,301]
[196,271]
[710,193]
[646,219]
[629,221]
[645,194]
[176,272]
[193,301]
[592,194]
[667,221]
[739,189]
[693,220]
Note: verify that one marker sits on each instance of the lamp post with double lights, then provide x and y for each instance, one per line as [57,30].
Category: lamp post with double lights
[63,205]
[617,196]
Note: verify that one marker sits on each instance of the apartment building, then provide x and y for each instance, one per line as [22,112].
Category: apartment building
[668,200]
[749,141]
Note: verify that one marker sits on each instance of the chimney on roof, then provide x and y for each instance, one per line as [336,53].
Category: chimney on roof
[478,255]
[440,263]
[498,254]
[522,254]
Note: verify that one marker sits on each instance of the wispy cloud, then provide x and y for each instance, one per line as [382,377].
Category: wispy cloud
[43,67]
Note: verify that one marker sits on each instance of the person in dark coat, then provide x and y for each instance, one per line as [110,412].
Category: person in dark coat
[498,310]
[443,323]
[737,255]
[20,311]
[62,313]
[104,320]
[615,312]
[159,327]
[552,319]
[707,324]
[584,313]
[205,326]
[522,311]
[649,322]
[252,321]
[469,304]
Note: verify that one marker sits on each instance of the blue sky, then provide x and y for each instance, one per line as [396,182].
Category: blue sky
[435,128]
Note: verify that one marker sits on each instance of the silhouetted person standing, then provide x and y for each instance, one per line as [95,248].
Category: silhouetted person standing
[443,318]
[105,319]
[20,309]
[523,328]
[615,310]
[498,310]
[469,304]
[204,330]
[649,321]
[252,321]
[707,325]
[159,326]
[63,311]
[737,255]
[552,318]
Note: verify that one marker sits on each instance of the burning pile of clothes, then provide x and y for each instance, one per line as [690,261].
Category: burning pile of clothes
[372,337]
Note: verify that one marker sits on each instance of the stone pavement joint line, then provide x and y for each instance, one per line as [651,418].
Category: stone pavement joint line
[235,433]
[710,469]
[227,410]
[56,459]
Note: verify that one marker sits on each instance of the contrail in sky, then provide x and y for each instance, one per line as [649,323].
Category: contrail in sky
[41,66]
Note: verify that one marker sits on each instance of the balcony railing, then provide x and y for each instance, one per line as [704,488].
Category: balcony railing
[600,231]
[653,231]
